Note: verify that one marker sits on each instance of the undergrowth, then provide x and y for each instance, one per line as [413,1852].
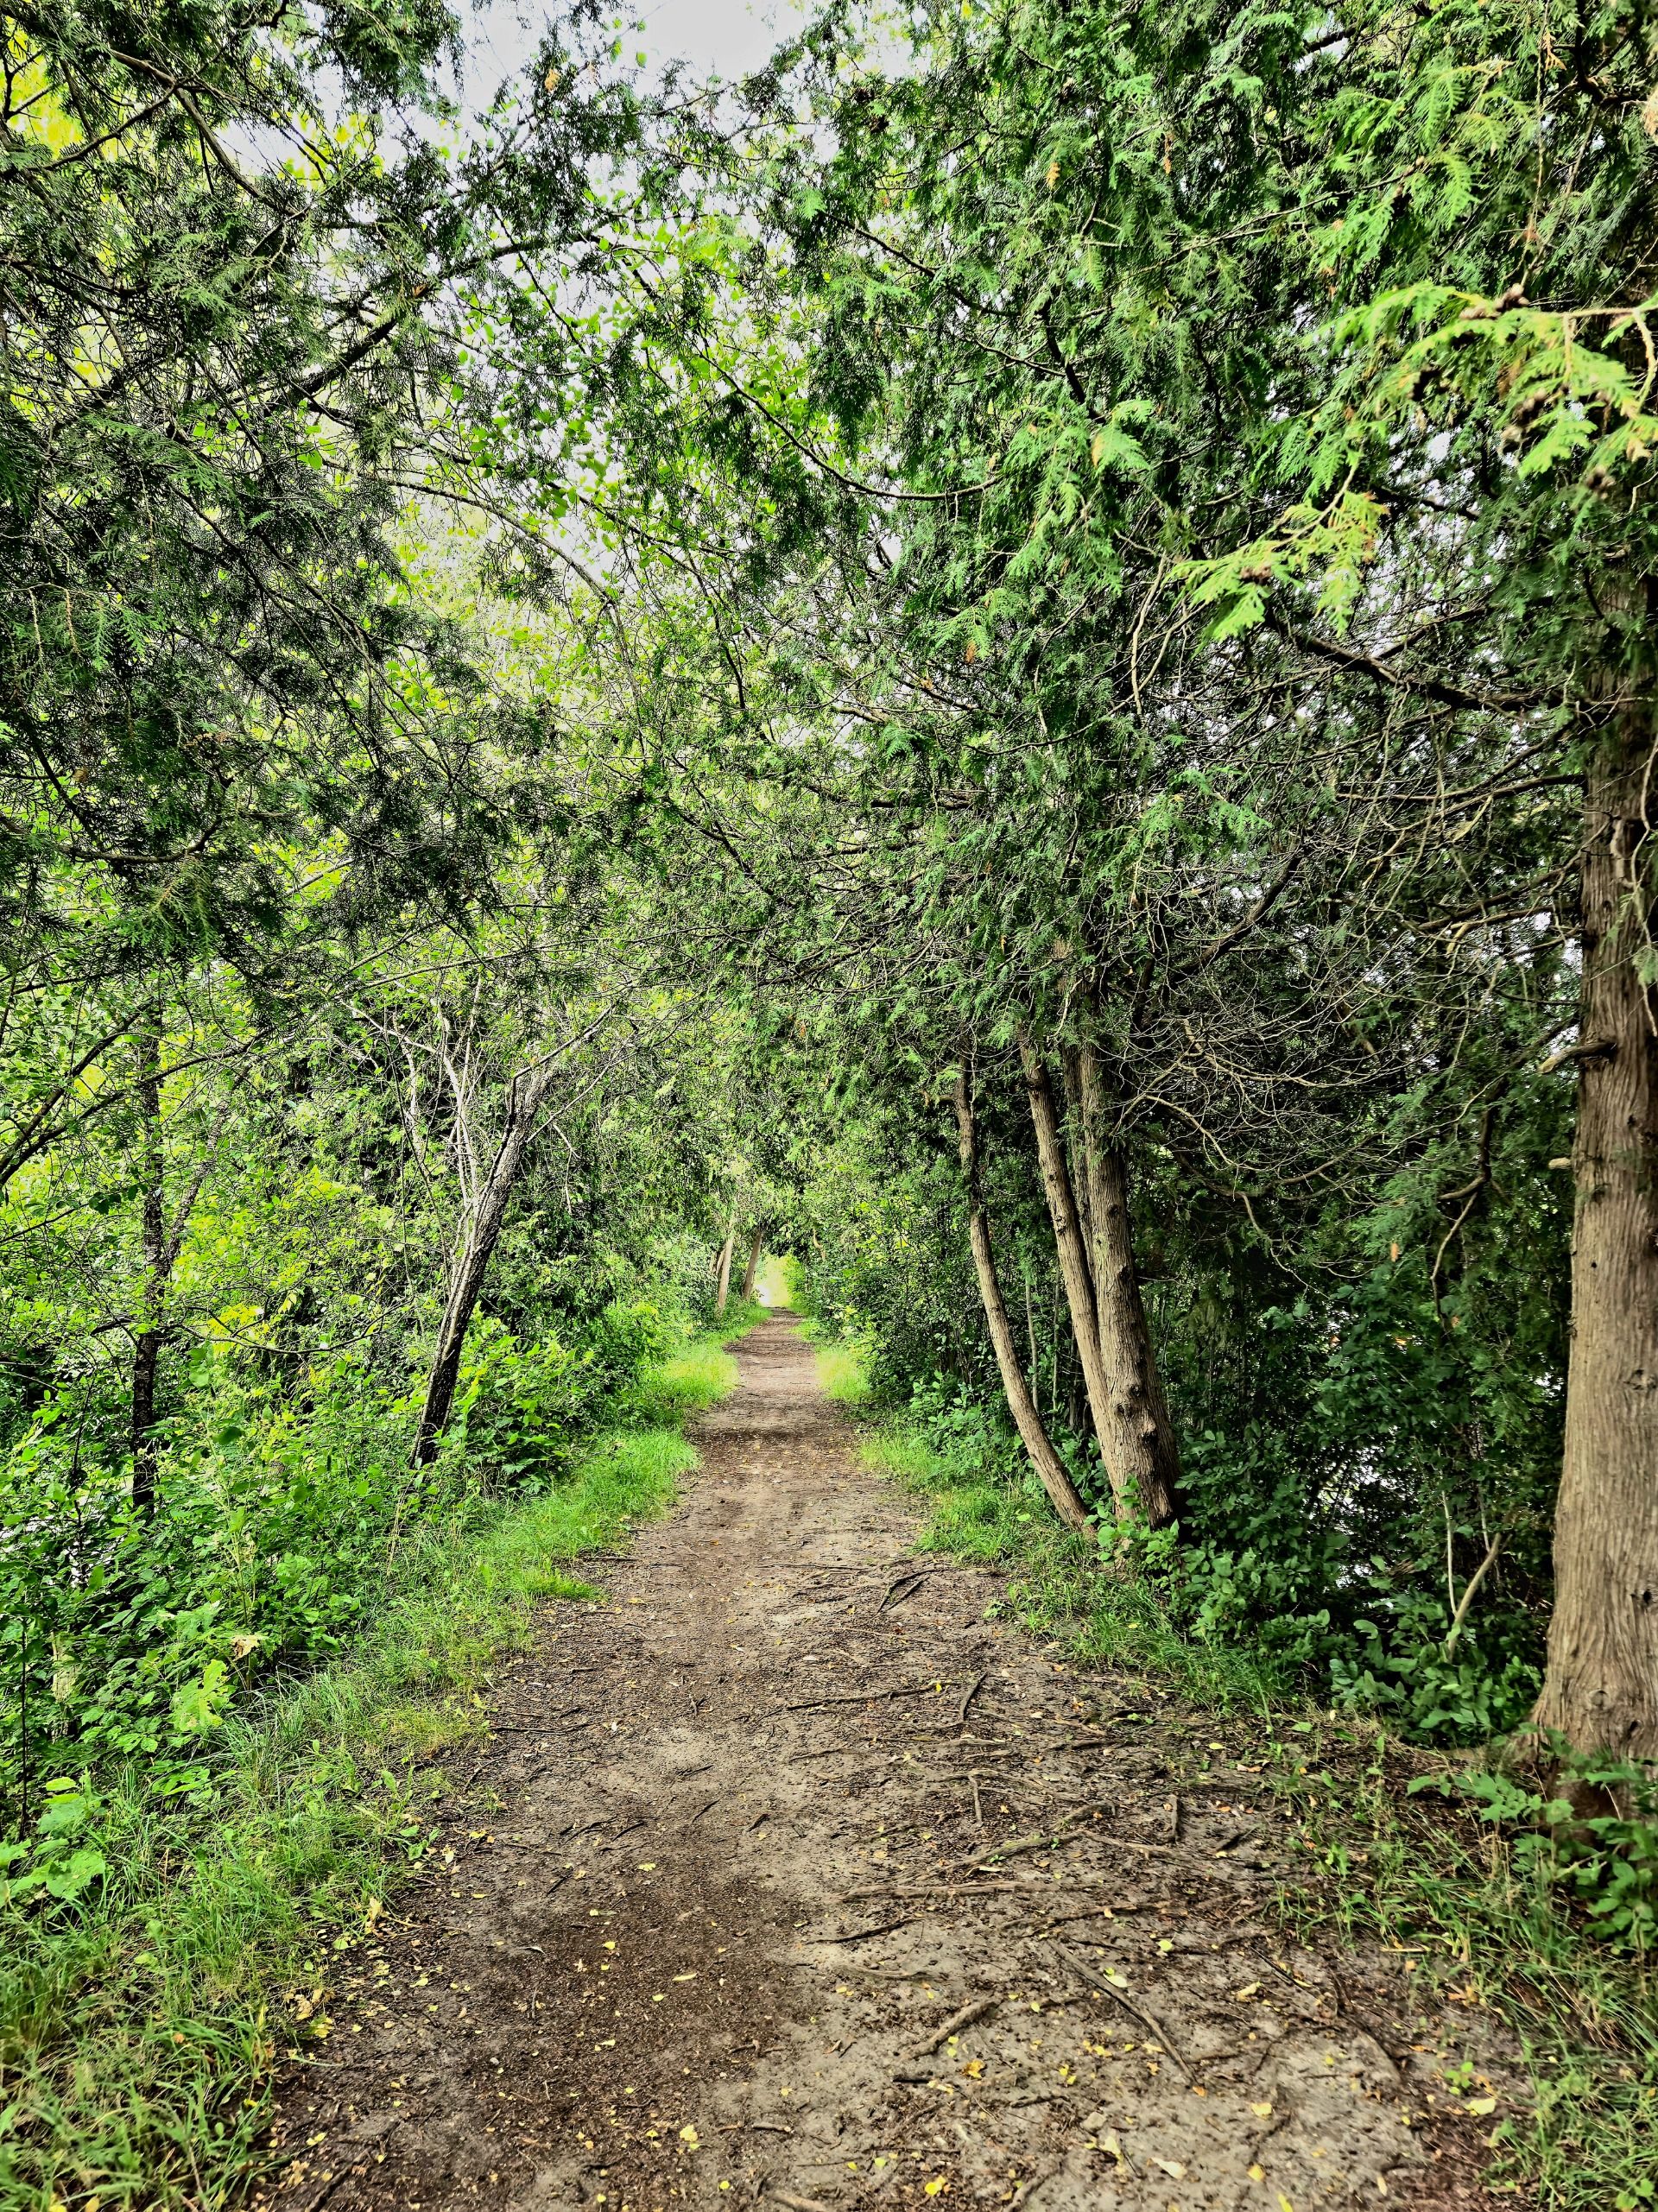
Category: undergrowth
[142,2012]
[1545,1930]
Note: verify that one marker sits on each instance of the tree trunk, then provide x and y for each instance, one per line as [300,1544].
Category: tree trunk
[753,1267]
[1073,1258]
[1601,1690]
[723,1273]
[152,1298]
[524,1104]
[1140,1448]
[1050,1468]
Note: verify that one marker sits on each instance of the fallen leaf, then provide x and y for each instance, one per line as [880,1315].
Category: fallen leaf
[1172,2167]
[690,2138]
[1261,2111]
[933,2187]
[1480,2105]
[1248,1990]
[1257,2173]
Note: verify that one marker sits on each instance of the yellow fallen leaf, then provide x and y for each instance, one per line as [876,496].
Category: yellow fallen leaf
[933,2187]
[1261,2111]
[690,2138]
[1257,2173]
[1172,2167]
[685,1977]
[1248,1990]
[973,2069]
[1480,2105]
[647,1866]
[1109,2143]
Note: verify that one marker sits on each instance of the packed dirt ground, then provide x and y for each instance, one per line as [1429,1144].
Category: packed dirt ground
[792,1875]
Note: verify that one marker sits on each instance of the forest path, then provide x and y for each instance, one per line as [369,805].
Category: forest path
[773,1816]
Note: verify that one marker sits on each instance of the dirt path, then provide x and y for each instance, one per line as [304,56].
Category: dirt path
[774,1820]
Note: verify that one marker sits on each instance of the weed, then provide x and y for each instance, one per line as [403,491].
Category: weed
[1499,1914]
[141,2019]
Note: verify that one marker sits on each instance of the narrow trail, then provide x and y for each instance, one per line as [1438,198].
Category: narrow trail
[786,1810]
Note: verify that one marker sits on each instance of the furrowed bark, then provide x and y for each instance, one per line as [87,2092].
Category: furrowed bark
[753,1267]
[1601,1688]
[524,1104]
[1050,1468]
[1074,1271]
[1141,1448]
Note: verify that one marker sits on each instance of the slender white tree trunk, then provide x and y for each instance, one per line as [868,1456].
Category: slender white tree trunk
[1050,1468]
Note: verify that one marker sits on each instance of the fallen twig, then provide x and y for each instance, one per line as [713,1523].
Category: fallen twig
[866,1696]
[963,2018]
[863,1935]
[1024,1843]
[1135,2012]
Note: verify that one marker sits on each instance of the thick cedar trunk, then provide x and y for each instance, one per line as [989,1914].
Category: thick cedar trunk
[723,1272]
[147,1338]
[753,1267]
[524,1104]
[1601,1690]
[1022,1404]
[1072,1256]
[1140,1449]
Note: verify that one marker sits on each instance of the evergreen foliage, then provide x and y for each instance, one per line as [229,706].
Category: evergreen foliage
[1017,657]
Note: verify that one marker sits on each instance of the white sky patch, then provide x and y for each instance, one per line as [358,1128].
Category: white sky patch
[717,37]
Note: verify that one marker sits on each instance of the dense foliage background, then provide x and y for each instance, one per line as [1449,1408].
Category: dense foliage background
[1016,657]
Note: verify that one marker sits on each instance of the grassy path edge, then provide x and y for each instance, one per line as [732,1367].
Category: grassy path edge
[140,2030]
[1484,1916]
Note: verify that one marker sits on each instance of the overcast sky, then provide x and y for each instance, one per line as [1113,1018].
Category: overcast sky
[725,37]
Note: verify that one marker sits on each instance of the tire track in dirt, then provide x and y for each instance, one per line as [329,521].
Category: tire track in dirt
[807,1883]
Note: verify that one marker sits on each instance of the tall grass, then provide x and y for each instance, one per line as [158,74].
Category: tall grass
[139,2027]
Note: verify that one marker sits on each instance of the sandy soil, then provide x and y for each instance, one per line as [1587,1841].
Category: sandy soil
[801,1879]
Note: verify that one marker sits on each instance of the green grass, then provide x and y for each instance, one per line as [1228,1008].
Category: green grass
[1478,1908]
[687,1382]
[841,1372]
[1480,1916]
[139,2028]
[1058,1590]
